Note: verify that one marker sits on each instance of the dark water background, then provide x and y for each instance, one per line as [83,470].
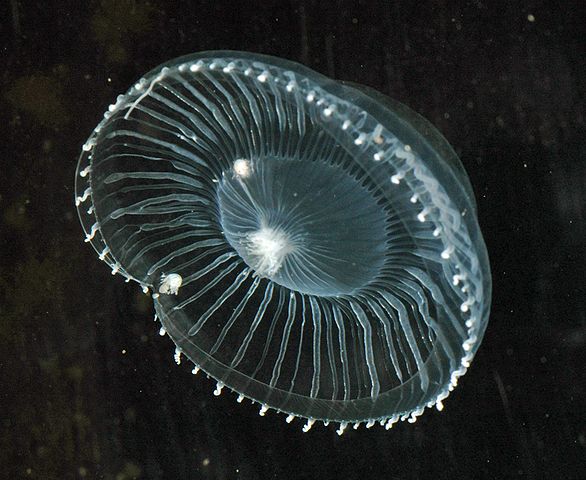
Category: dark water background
[88,389]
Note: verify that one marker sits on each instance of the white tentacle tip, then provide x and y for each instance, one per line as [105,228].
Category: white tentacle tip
[343,427]
[218,390]
[308,425]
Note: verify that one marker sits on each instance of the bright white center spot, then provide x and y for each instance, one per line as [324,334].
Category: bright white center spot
[267,249]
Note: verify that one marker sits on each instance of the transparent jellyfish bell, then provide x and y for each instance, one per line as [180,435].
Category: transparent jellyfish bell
[312,245]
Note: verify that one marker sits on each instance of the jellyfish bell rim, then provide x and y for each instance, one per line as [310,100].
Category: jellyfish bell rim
[425,138]
[448,168]
[374,102]
[321,409]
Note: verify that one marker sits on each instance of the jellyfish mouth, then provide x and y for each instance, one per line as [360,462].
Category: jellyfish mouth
[305,224]
[266,250]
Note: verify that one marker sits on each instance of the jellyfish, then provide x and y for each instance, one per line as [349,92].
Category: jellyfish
[310,244]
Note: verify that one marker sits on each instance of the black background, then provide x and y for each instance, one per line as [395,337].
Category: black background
[88,389]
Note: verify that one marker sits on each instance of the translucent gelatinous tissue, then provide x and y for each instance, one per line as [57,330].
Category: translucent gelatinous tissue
[311,245]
